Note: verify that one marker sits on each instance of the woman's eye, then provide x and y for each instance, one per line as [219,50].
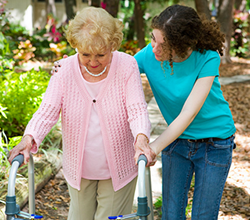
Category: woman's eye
[85,54]
[152,37]
[101,55]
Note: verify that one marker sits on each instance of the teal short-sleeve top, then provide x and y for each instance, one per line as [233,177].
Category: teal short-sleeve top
[171,89]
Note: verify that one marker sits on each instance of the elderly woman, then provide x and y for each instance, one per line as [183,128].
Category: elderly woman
[99,94]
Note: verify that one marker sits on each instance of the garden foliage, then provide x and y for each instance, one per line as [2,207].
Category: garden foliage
[20,96]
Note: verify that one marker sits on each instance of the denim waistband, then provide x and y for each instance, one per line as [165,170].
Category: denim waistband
[207,139]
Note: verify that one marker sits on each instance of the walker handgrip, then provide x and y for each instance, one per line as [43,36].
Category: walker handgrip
[19,158]
[142,157]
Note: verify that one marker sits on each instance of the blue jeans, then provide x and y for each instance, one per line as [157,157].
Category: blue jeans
[210,161]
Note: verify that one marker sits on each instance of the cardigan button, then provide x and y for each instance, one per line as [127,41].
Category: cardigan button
[94,101]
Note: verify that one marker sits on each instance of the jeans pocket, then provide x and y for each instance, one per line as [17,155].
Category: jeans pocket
[219,153]
[168,150]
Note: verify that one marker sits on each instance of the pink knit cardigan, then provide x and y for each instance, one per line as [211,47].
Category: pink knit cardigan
[121,108]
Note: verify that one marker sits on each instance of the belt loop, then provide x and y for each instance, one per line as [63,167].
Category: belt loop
[210,141]
[232,137]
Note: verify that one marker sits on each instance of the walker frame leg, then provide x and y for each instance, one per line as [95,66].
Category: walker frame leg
[145,193]
[12,209]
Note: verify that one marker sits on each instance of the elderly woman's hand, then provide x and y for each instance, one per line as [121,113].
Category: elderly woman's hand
[142,147]
[57,65]
[23,148]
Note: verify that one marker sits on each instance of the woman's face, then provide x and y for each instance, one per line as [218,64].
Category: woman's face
[95,63]
[156,42]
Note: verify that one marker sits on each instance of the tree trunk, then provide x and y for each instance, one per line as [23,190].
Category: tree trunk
[70,6]
[131,29]
[112,7]
[95,3]
[50,7]
[139,24]
[202,8]
[225,19]
[240,5]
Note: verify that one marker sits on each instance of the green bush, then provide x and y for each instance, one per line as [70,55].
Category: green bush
[20,96]
[5,62]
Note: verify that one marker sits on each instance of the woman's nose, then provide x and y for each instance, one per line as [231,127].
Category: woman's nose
[93,61]
[156,47]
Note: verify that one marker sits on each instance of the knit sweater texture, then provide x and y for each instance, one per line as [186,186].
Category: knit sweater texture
[121,108]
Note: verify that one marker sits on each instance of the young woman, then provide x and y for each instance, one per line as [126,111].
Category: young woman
[182,66]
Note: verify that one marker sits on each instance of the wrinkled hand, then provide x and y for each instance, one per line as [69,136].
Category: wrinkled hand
[22,148]
[57,65]
[142,147]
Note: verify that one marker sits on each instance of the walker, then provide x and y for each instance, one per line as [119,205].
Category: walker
[12,210]
[145,194]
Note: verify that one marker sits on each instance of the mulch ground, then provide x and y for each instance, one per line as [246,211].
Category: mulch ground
[53,200]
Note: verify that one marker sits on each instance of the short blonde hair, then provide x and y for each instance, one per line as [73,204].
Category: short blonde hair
[94,30]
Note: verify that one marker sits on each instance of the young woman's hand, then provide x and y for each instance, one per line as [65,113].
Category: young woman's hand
[57,65]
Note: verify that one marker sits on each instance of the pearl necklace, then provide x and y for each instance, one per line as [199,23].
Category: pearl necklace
[95,74]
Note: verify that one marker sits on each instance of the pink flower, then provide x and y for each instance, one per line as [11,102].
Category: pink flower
[103,5]
[53,35]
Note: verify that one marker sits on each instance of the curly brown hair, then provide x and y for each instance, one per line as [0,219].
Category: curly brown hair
[183,29]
